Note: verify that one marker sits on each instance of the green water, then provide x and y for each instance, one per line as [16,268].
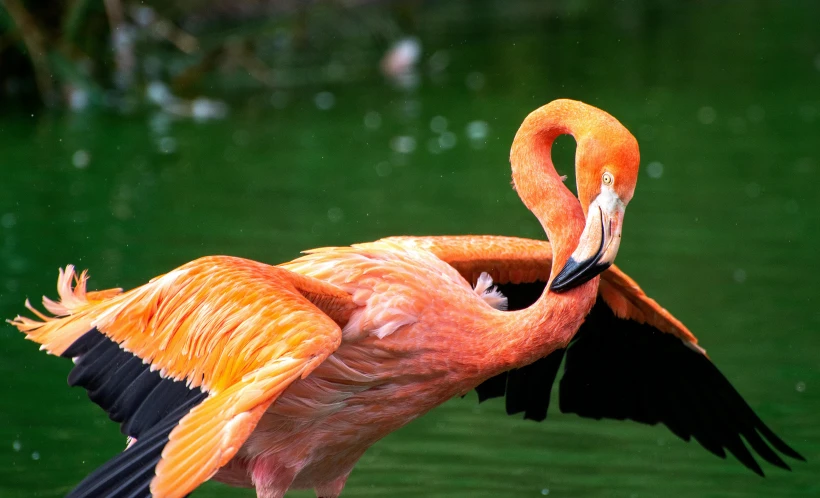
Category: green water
[723,230]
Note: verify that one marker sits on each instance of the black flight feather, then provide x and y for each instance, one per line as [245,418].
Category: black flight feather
[621,369]
[147,405]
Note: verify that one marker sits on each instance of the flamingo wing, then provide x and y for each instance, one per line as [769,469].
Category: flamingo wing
[631,359]
[189,362]
[622,369]
[521,267]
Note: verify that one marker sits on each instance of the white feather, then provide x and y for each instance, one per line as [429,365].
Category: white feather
[490,294]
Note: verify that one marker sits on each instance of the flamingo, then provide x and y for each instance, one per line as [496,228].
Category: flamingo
[281,377]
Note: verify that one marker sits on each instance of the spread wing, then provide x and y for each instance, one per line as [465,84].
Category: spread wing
[522,267]
[188,363]
[630,360]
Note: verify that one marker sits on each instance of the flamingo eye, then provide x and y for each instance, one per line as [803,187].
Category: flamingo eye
[607,178]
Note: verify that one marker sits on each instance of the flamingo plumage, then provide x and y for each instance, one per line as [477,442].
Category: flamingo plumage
[281,377]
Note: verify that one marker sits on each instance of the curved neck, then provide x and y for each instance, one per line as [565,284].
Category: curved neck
[538,184]
[523,336]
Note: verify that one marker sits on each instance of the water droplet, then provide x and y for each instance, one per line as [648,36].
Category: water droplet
[433,147]
[167,145]
[324,100]
[407,80]
[439,61]
[475,81]
[753,190]
[35,455]
[447,140]
[80,159]
[800,387]
[654,169]
[438,124]
[203,109]
[401,57]
[160,123]
[707,115]
[8,220]
[477,130]
[403,144]
[16,445]
[144,16]
[78,98]
[335,214]
[373,120]
[158,93]
[545,492]
[739,275]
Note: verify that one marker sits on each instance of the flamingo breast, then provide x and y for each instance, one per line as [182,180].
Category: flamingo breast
[394,363]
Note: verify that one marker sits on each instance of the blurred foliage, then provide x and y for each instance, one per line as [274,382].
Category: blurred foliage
[82,53]
[111,53]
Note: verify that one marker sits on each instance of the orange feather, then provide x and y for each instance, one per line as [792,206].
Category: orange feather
[517,260]
[305,365]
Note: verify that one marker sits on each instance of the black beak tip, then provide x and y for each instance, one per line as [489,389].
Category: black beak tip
[575,273]
[565,276]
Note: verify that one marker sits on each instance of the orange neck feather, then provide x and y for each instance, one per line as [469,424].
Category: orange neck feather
[526,335]
[538,184]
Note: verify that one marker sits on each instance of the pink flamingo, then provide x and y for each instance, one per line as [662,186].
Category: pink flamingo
[280,377]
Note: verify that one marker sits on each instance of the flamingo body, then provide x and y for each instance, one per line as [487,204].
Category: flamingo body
[394,364]
[281,377]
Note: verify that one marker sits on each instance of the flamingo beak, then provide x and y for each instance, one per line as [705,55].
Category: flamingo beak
[598,245]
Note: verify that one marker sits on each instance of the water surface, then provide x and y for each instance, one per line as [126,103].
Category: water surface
[723,229]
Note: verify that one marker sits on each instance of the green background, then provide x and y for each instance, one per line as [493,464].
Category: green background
[725,99]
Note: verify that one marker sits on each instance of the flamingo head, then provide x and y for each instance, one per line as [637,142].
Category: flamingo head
[607,161]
